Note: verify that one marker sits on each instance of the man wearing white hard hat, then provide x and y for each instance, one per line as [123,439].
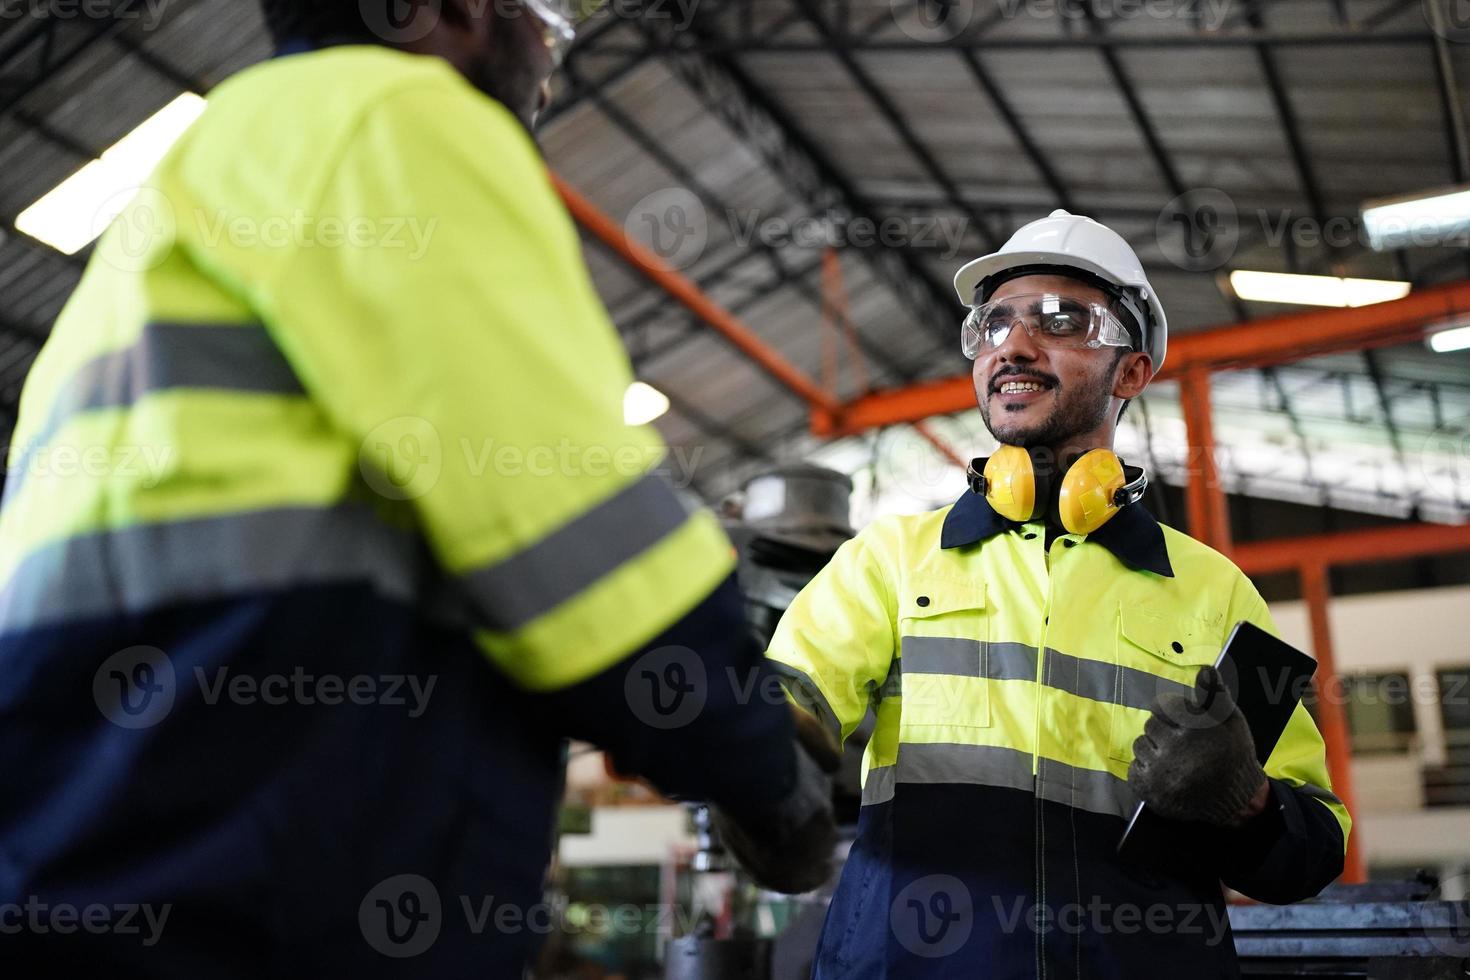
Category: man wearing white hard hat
[1039,655]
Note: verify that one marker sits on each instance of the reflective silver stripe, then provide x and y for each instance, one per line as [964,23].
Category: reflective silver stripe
[1106,682]
[991,765]
[1010,662]
[230,356]
[878,785]
[1317,793]
[805,692]
[525,586]
[1098,680]
[135,569]
[941,655]
[967,658]
[1085,789]
[973,765]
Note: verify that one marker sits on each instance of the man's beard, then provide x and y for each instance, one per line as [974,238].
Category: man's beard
[1081,408]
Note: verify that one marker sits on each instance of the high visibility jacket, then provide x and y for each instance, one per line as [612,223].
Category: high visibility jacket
[322,530]
[1010,678]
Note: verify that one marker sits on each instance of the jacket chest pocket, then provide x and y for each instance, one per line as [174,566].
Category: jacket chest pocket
[944,640]
[1155,653]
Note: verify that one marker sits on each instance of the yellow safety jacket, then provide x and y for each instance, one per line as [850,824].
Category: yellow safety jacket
[323,529]
[1010,678]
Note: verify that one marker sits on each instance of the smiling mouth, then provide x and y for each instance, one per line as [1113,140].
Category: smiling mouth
[1019,386]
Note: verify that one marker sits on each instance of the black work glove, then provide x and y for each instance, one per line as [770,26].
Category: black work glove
[787,846]
[1196,759]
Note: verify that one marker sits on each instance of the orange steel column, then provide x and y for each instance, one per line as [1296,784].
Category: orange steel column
[1209,521]
[1330,714]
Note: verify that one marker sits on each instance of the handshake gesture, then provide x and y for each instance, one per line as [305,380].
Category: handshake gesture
[787,846]
[1196,759]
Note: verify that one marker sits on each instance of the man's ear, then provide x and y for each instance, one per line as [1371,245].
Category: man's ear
[1136,370]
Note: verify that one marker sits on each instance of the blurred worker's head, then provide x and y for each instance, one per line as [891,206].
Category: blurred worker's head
[1035,385]
[506,48]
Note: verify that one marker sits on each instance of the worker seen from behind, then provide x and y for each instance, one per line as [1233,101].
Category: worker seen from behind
[297,694]
[1039,658]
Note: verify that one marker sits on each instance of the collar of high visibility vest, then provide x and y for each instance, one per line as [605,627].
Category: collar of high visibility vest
[1133,534]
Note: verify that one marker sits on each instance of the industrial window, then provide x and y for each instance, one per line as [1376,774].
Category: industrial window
[1380,712]
[1449,785]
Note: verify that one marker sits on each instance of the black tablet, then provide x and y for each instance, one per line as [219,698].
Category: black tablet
[1267,677]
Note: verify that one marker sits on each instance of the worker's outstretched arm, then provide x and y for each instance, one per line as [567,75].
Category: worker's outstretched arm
[1296,846]
[474,365]
[835,645]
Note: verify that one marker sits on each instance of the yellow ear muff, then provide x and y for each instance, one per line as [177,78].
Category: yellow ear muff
[1089,491]
[1010,483]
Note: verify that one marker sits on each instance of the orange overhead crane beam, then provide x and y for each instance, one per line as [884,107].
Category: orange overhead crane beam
[678,286]
[1259,343]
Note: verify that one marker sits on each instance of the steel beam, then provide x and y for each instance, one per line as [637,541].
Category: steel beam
[741,337]
[1270,340]
[730,94]
[691,181]
[1330,714]
[1209,518]
[889,110]
[726,47]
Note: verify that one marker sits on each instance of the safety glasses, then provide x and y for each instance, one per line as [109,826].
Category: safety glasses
[1049,320]
[560,20]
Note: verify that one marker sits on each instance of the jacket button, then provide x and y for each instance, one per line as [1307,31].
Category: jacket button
[1029,535]
[922,600]
[1178,648]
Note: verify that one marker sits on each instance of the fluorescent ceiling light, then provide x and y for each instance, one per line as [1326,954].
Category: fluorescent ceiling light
[1439,217]
[1448,340]
[643,403]
[1282,287]
[78,210]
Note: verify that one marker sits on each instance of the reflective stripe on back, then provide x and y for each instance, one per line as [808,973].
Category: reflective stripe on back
[144,567]
[516,590]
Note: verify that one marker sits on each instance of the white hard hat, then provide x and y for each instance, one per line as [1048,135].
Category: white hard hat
[1076,242]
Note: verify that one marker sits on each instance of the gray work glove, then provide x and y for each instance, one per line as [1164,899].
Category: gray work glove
[787,846]
[1196,759]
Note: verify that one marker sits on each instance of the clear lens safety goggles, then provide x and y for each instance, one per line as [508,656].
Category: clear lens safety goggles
[1049,320]
[560,20]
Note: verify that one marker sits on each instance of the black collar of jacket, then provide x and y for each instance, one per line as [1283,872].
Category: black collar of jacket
[1133,534]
